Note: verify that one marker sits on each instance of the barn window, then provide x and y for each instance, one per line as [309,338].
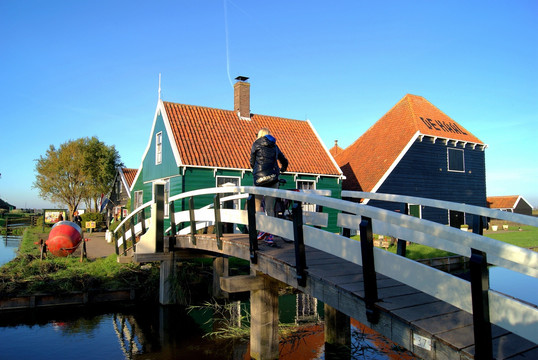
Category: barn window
[166,197]
[138,199]
[158,148]
[455,160]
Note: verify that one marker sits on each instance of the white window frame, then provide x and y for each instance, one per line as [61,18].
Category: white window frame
[118,186]
[236,204]
[138,198]
[448,160]
[307,206]
[166,197]
[159,148]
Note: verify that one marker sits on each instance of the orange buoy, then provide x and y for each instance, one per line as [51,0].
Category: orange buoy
[64,238]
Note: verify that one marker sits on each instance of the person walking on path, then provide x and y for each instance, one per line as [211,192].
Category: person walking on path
[264,158]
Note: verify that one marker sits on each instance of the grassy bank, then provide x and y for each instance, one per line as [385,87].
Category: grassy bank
[27,274]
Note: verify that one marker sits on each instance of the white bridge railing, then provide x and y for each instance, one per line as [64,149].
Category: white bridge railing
[505,311]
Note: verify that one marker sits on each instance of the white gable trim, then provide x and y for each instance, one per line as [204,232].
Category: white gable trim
[325,148]
[170,135]
[394,164]
[519,198]
[124,181]
[160,109]
[136,178]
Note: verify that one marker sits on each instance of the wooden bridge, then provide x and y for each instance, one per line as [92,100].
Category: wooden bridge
[431,313]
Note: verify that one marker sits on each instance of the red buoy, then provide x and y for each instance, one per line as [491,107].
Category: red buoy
[64,238]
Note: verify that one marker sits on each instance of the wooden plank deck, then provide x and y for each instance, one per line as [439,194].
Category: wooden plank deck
[430,328]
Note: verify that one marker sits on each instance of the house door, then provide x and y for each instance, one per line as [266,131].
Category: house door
[233,204]
[456,218]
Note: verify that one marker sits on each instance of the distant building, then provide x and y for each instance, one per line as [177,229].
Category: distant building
[512,203]
[417,150]
[117,201]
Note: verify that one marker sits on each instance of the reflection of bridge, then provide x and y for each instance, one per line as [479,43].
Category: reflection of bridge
[421,308]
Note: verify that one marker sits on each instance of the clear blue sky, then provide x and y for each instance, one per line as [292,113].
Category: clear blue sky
[71,69]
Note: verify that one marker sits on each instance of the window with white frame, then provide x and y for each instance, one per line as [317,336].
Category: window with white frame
[158,148]
[305,185]
[166,197]
[224,181]
[118,186]
[455,160]
[138,199]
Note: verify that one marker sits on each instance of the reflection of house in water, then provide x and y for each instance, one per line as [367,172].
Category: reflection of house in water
[129,335]
[306,308]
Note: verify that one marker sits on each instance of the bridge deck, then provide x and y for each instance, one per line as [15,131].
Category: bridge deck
[411,318]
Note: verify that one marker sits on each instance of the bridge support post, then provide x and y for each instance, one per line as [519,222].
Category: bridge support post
[478,266]
[402,244]
[220,269]
[252,232]
[300,255]
[167,274]
[337,334]
[264,320]
[368,269]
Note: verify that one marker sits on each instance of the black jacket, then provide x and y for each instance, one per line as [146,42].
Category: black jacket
[263,161]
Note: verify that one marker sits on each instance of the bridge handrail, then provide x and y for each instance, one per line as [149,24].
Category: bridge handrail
[132,214]
[473,209]
[493,247]
[443,286]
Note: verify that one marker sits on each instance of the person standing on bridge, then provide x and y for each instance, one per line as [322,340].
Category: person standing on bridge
[264,158]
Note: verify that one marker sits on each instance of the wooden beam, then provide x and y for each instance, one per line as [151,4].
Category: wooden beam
[240,283]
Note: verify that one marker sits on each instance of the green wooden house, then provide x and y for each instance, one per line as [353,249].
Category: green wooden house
[195,147]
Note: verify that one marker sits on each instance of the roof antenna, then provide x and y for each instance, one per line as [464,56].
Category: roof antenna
[159,86]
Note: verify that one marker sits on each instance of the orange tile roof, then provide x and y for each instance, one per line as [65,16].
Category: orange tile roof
[335,150]
[129,175]
[369,158]
[218,138]
[502,202]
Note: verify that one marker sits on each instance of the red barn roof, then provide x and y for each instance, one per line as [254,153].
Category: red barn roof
[370,158]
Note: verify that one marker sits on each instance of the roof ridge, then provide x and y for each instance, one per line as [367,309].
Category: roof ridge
[230,111]
[413,114]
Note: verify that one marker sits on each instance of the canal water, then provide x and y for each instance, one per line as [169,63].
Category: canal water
[8,247]
[156,332]
[153,332]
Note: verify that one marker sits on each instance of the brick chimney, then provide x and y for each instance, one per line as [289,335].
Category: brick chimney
[242,97]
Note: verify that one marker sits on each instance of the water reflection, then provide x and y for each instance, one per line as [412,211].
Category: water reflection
[9,244]
[156,332]
[516,284]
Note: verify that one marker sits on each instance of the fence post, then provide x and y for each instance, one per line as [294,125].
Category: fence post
[158,192]
[115,236]
[402,244]
[192,220]
[478,266]
[143,220]
[133,235]
[218,230]
[300,255]
[124,240]
[172,218]
[252,232]
[368,269]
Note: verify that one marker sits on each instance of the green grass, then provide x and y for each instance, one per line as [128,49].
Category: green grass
[527,237]
[27,274]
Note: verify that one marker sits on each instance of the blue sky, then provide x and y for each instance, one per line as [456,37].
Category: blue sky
[91,68]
